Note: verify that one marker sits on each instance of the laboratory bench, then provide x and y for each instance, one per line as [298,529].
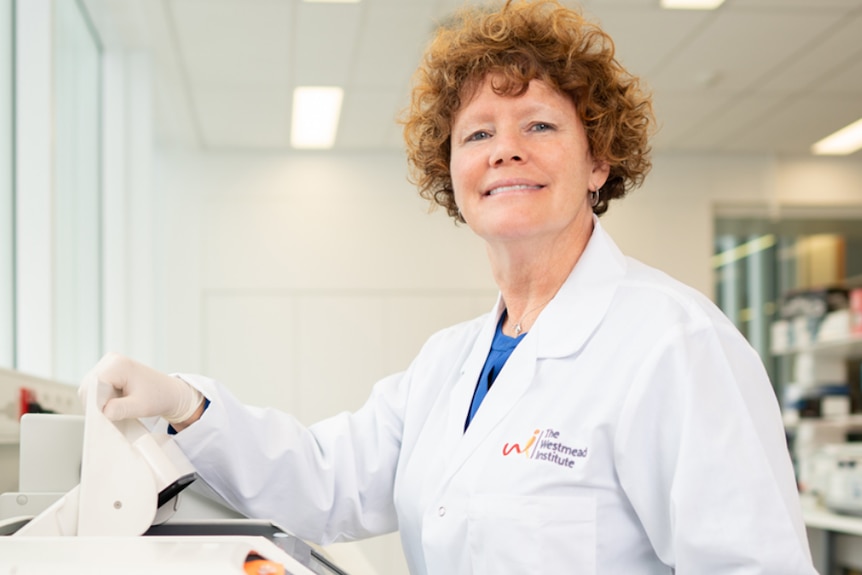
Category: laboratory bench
[835,539]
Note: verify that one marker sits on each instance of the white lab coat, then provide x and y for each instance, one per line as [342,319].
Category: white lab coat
[633,431]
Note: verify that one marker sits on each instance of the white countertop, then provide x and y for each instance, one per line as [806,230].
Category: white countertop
[819,517]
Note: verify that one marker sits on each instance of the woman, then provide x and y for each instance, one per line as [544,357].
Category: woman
[620,424]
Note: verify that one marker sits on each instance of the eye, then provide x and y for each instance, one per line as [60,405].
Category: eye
[541,127]
[478,135]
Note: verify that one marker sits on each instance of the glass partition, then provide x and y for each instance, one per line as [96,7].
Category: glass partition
[758,262]
[77,195]
[7,206]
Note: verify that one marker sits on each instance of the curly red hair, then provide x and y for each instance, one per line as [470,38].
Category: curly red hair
[523,41]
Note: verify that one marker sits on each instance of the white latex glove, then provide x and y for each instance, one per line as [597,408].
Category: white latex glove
[143,391]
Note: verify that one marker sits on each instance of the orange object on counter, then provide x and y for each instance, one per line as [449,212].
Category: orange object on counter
[257,565]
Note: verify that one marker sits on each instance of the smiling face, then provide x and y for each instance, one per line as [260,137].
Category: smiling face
[521,166]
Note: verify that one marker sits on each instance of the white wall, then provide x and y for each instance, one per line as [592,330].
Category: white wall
[301,279]
[320,249]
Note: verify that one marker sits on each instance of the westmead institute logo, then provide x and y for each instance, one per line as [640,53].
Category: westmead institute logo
[546,446]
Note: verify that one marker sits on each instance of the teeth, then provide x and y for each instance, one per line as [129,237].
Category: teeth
[511,188]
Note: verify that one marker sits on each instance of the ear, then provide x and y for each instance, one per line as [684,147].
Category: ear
[599,174]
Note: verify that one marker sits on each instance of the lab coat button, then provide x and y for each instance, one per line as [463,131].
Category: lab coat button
[442,511]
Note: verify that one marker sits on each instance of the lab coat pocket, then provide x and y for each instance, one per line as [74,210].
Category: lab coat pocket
[532,534]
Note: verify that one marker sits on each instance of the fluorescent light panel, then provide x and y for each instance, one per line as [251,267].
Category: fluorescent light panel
[691,4]
[331,1]
[315,116]
[845,141]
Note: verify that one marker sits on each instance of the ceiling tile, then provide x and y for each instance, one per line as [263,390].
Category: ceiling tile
[325,43]
[677,113]
[391,43]
[845,79]
[793,4]
[736,115]
[447,7]
[231,42]
[645,38]
[738,48]
[367,118]
[246,117]
[616,3]
[753,76]
[824,58]
[792,127]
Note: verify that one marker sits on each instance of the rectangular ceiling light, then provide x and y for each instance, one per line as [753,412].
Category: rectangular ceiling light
[315,116]
[331,1]
[691,4]
[845,141]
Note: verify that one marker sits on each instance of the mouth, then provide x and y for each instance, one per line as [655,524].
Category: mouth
[512,188]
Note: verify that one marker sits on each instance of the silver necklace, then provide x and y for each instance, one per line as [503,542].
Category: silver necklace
[517,326]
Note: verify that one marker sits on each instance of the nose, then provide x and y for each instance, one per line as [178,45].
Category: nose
[507,148]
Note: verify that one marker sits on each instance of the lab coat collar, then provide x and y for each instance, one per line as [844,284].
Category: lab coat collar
[567,322]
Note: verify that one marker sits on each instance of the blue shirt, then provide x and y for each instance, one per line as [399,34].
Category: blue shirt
[501,348]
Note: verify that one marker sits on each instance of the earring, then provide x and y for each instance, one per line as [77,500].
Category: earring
[594,197]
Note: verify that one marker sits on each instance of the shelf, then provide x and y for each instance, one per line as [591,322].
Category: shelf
[819,517]
[850,422]
[850,346]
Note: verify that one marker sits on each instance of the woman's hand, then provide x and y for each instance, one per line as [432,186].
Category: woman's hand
[141,391]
